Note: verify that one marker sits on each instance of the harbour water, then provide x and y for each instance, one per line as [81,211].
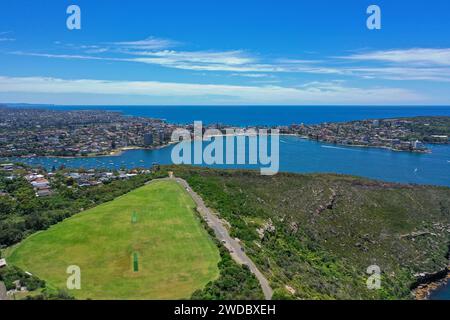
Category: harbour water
[300,156]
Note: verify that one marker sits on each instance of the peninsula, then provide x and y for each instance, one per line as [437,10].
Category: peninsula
[28,132]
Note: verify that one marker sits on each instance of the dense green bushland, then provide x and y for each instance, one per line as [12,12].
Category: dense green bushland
[318,233]
[425,128]
[235,282]
[10,274]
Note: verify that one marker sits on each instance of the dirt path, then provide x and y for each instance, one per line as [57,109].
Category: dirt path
[222,234]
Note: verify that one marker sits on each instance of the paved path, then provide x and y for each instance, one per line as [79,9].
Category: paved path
[233,246]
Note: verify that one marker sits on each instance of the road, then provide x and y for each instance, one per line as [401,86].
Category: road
[221,232]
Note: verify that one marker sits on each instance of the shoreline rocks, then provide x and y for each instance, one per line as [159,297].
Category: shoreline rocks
[425,289]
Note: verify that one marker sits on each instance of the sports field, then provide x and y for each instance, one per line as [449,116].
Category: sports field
[147,244]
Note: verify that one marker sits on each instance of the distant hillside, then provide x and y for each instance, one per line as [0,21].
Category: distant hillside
[26,105]
[315,235]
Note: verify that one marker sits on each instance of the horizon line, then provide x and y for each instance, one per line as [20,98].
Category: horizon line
[223,105]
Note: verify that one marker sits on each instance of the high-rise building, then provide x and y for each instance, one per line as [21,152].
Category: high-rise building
[148,139]
[161,136]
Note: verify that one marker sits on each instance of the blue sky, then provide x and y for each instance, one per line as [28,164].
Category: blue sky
[225,52]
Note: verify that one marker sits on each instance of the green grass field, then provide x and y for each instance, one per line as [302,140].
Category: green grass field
[175,254]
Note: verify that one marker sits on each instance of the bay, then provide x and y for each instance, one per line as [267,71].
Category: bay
[300,156]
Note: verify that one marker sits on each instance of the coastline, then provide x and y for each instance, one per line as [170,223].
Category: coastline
[366,146]
[427,283]
[119,151]
[114,153]
[427,151]
[425,290]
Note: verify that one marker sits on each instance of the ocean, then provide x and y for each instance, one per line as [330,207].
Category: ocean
[265,115]
[442,293]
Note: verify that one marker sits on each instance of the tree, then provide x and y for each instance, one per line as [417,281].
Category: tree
[7,205]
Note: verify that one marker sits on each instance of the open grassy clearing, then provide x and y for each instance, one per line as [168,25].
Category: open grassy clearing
[175,254]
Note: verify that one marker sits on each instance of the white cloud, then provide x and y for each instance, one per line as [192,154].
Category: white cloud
[252,75]
[404,73]
[230,61]
[227,61]
[155,51]
[419,56]
[416,64]
[198,60]
[150,43]
[419,64]
[315,93]
[68,56]
[236,57]
[97,50]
